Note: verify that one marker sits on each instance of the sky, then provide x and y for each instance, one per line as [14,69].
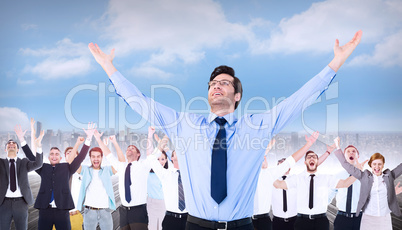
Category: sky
[168,49]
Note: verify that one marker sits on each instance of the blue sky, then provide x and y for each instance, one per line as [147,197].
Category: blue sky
[48,73]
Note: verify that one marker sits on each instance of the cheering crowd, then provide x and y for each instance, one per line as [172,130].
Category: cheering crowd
[213,181]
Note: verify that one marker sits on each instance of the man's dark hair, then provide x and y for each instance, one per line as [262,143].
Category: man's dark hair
[236,81]
[11,140]
[54,148]
[308,152]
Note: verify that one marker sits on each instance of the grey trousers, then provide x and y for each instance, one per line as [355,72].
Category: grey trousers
[14,208]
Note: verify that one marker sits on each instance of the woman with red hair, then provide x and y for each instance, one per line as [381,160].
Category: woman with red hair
[377,193]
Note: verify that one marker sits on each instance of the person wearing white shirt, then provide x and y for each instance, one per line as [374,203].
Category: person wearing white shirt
[133,178]
[176,213]
[96,192]
[263,195]
[377,193]
[284,203]
[312,194]
[284,206]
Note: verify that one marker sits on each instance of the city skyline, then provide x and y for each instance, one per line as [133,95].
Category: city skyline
[169,50]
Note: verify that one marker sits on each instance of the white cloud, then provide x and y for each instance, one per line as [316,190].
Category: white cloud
[29,26]
[10,117]
[315,29]
[147,71]
[65,60]
[386,53]
[176,30]
[25,82]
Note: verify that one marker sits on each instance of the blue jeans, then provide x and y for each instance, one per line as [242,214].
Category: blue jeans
[102,217]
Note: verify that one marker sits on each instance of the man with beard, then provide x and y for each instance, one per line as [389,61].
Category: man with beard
[284,203]
[312,194]
[96,193]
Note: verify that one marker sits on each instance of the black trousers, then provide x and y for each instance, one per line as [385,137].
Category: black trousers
[263,223]
[282,224]
[321,223]
[173,223]
[14,208]
[347,223]
[48,217]
[133,218]
[191,226]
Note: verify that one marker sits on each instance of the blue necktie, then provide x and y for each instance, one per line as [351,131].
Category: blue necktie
[182,204]
[127,183]
[219,163]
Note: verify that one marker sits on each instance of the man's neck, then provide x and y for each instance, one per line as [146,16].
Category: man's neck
[11,155]
[221,111]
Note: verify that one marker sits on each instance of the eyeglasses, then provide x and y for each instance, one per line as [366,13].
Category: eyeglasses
[221,83]
[311,157]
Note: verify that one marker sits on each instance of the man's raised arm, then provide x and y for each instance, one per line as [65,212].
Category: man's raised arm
[155,113]
[289,109]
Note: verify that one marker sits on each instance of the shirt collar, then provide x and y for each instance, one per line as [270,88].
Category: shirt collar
[8,158]
[230,118]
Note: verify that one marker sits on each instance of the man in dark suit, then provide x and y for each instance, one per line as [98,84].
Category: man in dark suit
[15,192]
[54,199]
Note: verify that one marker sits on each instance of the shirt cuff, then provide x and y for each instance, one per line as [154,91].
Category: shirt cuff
[88,141]
[39,150]
[23,143]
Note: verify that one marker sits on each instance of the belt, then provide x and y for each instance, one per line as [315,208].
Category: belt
[132,207]
[92,208]
[351,215]
[260,216]
[218,224]
[285,219]
[176,215]
[311,217]
[14,198]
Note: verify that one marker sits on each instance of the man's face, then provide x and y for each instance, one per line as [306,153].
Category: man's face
[11,148]
[54,157]
[311,162]
[96,159]
[219,94]
[351,155]
[132,154]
